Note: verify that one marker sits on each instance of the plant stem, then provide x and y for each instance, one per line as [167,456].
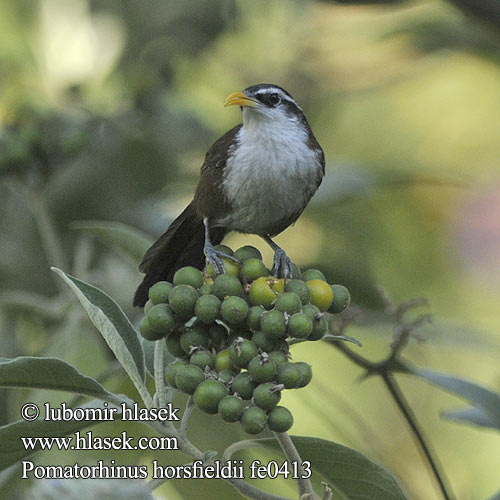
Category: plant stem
[418,433]
[159,375]
[252,492]
[383,369]
[185,417]
[290,451]
[47,230]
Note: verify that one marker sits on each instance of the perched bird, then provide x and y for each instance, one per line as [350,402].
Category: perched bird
[257,179]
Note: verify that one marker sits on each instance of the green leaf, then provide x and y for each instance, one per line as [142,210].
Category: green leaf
[350,474]
[209,454]
[470,416]
[149,354]
[114,326]
[125,240]
[345,338]
[495,497]
[50,373]
[12,449]
[478,396]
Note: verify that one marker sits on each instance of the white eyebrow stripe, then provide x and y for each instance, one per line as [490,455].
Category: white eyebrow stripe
[283,96]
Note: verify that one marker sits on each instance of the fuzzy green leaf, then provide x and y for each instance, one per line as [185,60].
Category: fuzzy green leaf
[473,416]
[114,326]
[149,353]
[125,240]
[350,474]
[50,373]
[478,396]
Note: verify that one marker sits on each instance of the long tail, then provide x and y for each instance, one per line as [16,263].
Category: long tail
[181,245]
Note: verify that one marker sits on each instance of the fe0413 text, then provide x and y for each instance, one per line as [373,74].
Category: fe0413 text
[273,469]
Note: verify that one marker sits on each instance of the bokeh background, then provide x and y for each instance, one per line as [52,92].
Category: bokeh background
[106,111]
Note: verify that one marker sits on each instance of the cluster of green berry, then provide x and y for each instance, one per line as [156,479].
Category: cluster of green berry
[231,335]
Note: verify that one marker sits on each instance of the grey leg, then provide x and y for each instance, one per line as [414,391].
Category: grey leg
[282,265]
[213,256]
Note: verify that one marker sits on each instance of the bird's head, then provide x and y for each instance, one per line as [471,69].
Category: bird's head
[266,102]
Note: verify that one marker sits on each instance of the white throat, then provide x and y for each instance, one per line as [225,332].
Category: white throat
[271,171]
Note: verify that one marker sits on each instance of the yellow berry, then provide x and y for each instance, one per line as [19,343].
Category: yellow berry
[261,293]
[321,294]
[231,268]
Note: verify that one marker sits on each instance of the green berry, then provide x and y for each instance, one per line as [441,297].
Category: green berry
[174,347]
[188,276]
[305,373]
[262,369]
[279,419]
[226,376]
[231,408]
[217,334]
[278,357]
[161,319]
[320,327]
[282,345]
[247,252]
[223,361]
[252,269]
[312,274]
[226,285]
[300,325]
[182,300]
[300,288]
[263,342]
[147,306]
[311,310]
[203,358]
[273,324]
[171,371]
[241,351]
[253,420]
[195,337]
[289,375]
[267,396]
[243,385]
[234,310]
[341,299]
[188,378]
[208,395]
[224,249]
[207,308]
[296,272]
[147,331]
[236,333]
[288,302]
[205,289]
[253,317]
[159,292]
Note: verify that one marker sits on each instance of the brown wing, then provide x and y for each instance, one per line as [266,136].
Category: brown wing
[209,199]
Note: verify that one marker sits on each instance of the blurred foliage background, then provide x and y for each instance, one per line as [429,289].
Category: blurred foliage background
[106,111]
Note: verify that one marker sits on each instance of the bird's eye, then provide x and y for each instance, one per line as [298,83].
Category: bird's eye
[274,99]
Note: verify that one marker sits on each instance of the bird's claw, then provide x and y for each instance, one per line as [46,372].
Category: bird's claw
[282,265]
[215,257]
[223,255]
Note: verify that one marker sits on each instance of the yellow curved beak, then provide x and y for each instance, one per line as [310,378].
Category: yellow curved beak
[240,99]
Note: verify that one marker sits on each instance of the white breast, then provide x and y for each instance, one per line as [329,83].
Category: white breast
[271,174]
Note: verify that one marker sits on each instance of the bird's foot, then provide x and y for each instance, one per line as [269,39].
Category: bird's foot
[215,257]
[282,265]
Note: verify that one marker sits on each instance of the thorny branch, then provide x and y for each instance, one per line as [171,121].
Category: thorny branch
[402,331]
